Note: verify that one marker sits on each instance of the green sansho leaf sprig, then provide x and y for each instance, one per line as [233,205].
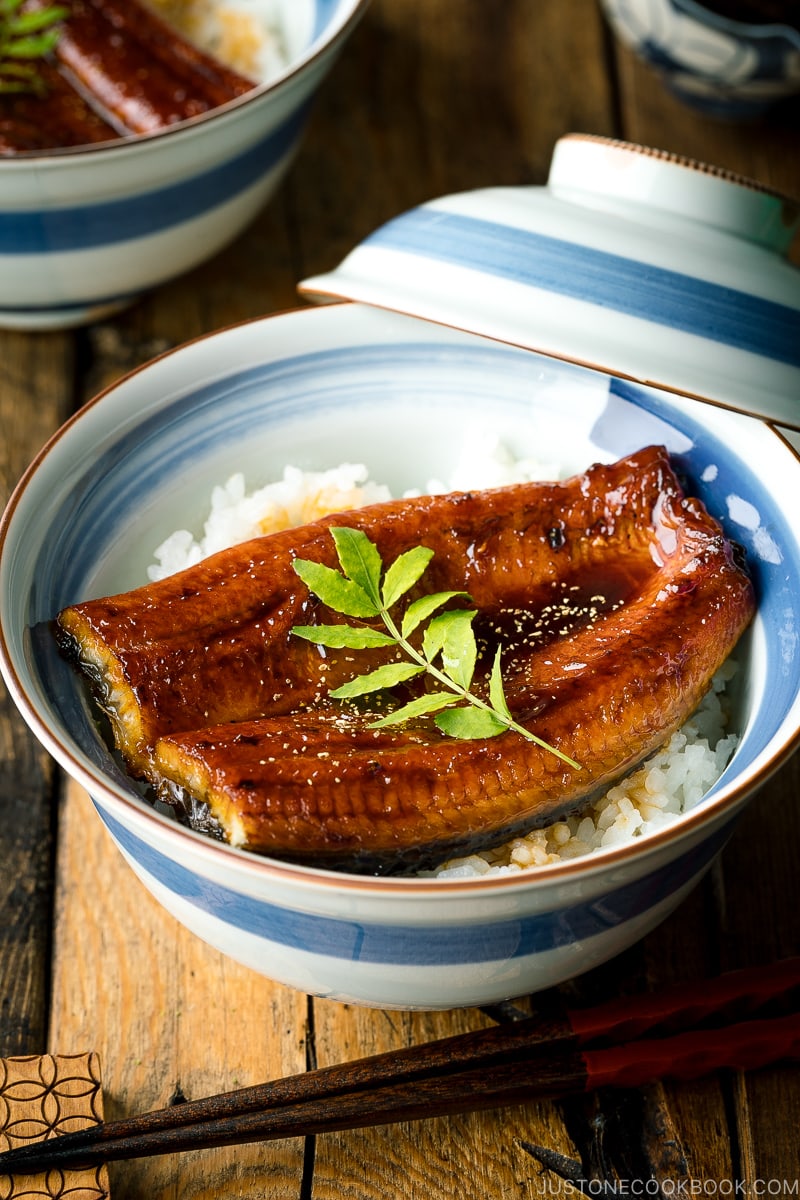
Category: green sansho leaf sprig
[448,652]
[25,37]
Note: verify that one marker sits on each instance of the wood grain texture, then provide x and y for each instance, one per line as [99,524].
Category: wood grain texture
[42,1096]
[475,1155]
[35,397]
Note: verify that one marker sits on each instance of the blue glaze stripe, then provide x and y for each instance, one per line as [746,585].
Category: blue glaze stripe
[91,225]
[357,942]
[720,314]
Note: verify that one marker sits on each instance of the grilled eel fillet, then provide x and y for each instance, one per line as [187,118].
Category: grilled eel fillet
[615,597]
[118,69]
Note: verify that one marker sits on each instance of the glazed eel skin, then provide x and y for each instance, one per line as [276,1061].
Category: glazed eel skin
[118,69]
[615,598]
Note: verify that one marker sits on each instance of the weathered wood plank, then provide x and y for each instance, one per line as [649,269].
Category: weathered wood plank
[759,920]
[475,1156]
[35,395]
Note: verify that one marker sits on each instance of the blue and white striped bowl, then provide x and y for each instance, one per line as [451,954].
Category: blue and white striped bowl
[662,270]
[83,232]
[351,383]
[732,69]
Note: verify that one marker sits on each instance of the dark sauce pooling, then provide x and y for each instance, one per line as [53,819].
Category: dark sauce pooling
[556,612]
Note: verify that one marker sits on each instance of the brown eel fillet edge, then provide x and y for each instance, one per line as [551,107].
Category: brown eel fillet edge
[288,773]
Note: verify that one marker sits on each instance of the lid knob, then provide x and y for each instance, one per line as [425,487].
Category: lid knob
[603,173]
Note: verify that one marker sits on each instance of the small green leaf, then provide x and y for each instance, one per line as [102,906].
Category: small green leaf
[359,560]
[356,591]
[470,723]
[450,634]
[32,22]
[17,69]
[386,676]
[340,594]
[433,639]
[496,693]
[31,47]
[25,36]
[423,608]
[460,652]
[430,702]
[337,637]
[404,573]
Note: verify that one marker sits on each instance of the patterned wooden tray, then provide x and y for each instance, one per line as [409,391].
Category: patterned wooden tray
[42,1096]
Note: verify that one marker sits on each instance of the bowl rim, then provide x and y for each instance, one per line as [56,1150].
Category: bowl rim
[704,16]
[738,27]
[267,869]
[126,144]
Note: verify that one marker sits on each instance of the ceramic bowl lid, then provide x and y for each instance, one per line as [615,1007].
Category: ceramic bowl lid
[630,261]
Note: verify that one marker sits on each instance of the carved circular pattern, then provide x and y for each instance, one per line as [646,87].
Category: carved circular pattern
[42,1096]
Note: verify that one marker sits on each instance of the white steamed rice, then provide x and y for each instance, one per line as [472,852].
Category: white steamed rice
[245,34]
[670,783]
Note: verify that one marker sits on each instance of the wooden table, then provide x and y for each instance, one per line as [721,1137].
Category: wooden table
[429,97]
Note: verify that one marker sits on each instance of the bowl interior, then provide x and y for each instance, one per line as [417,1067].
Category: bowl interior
[410,400]
[304,25]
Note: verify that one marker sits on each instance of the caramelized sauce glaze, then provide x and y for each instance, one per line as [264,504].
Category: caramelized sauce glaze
[611,632]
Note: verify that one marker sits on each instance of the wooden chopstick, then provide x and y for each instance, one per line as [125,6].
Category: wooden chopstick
[746,1045]
[697,1026]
